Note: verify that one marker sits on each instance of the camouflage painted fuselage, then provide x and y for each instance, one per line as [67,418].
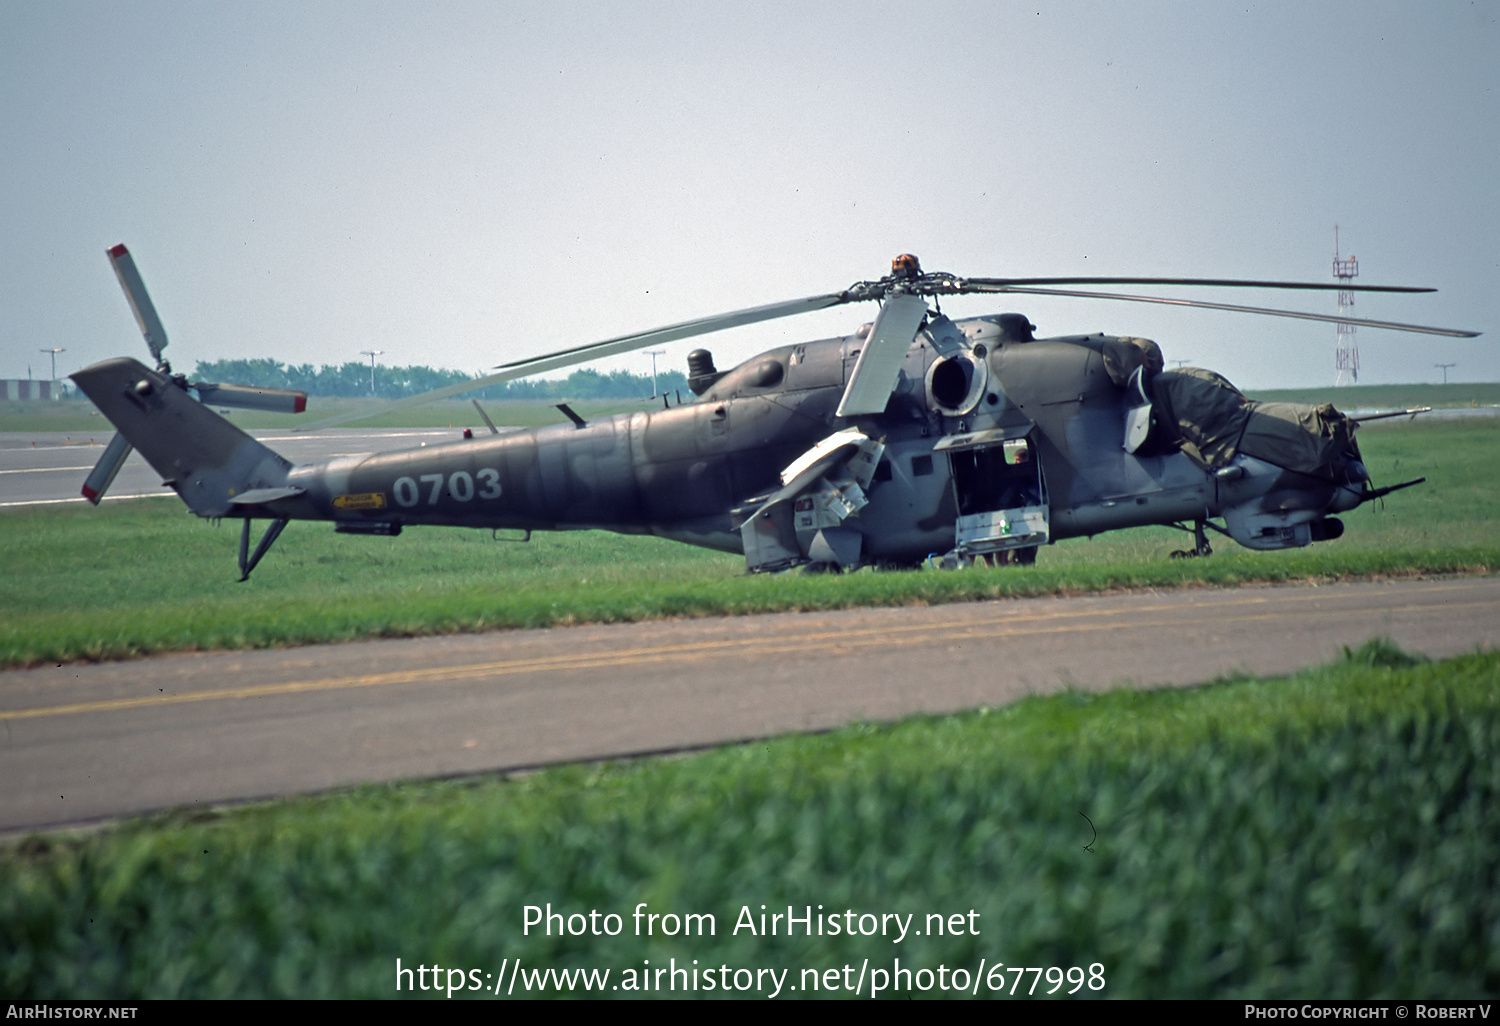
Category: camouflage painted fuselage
[696,472]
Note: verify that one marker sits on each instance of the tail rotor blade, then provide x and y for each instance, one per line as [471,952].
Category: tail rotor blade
[140,302]
[249,397]
[103,475]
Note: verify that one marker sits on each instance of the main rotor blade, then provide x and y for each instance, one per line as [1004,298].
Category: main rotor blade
[140,302]
[1215,282]
[880,359]
[1203,304]
[596,350]
[676,332]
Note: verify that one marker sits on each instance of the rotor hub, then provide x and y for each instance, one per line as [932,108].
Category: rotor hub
[906,267]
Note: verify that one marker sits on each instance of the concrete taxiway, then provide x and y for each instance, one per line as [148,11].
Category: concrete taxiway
[42,468]
[82,742]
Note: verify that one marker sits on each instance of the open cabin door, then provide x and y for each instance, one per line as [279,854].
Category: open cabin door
[1002,497]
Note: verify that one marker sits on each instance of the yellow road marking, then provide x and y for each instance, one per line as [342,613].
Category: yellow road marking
[895,635]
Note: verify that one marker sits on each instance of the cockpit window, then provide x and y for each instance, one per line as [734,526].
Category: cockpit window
[787,369]
[764,374]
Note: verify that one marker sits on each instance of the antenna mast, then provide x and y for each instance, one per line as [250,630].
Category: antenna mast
[1346,348]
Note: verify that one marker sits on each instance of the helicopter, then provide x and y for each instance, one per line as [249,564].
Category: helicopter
[915,439]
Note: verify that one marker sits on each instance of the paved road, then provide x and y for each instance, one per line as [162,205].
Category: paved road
[46,467]
[81,742]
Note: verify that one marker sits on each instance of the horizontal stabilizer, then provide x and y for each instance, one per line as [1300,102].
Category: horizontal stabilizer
[258,496]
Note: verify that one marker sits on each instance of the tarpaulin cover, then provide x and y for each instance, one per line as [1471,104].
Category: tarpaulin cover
[1308,439]
[1123,355]
[1216,422]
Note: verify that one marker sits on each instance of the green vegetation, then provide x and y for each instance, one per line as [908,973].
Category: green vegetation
[1389,397]
[132,578]
[1327,835]
[353,380]
[79,414]
[81,417]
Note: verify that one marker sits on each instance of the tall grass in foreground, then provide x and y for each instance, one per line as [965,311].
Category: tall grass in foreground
[1327,835]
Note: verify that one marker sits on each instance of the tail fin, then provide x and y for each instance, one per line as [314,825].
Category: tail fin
[208,461]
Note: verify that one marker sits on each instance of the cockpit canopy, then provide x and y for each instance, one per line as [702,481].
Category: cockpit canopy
[784,369]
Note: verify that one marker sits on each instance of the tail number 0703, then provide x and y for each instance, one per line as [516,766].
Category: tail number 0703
[460,487]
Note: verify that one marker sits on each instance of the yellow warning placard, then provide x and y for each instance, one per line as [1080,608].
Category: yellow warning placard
[365,500]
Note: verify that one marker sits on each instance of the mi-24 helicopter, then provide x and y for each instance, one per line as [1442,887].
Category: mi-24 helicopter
[914,437]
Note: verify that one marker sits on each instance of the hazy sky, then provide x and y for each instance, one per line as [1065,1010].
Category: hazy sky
[463,184]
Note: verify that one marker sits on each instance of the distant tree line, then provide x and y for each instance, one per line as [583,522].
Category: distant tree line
[352,379]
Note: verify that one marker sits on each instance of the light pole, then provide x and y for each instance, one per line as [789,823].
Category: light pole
[1445,367]
[372,353]
[54,353]
[654,353]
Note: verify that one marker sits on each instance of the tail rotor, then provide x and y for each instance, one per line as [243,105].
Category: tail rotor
[247,397]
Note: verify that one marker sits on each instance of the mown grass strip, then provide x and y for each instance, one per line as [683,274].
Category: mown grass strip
[135,578]
[1325,835]
[80,415]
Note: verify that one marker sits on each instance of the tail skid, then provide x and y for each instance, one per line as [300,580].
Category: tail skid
[248,561]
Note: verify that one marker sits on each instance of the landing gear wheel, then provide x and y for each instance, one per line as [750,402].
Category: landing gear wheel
[1012,557]
[1201,548]
[954,560]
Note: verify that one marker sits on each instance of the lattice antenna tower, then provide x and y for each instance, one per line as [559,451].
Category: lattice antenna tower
[1346,346]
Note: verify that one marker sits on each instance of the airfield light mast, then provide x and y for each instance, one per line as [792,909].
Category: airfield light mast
[54,353]
[371,353]
[1346,348]
[654,353]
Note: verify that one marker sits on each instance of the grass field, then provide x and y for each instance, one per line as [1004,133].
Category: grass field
[1327,835]
[131,578]
[1391,397]
[80,415]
